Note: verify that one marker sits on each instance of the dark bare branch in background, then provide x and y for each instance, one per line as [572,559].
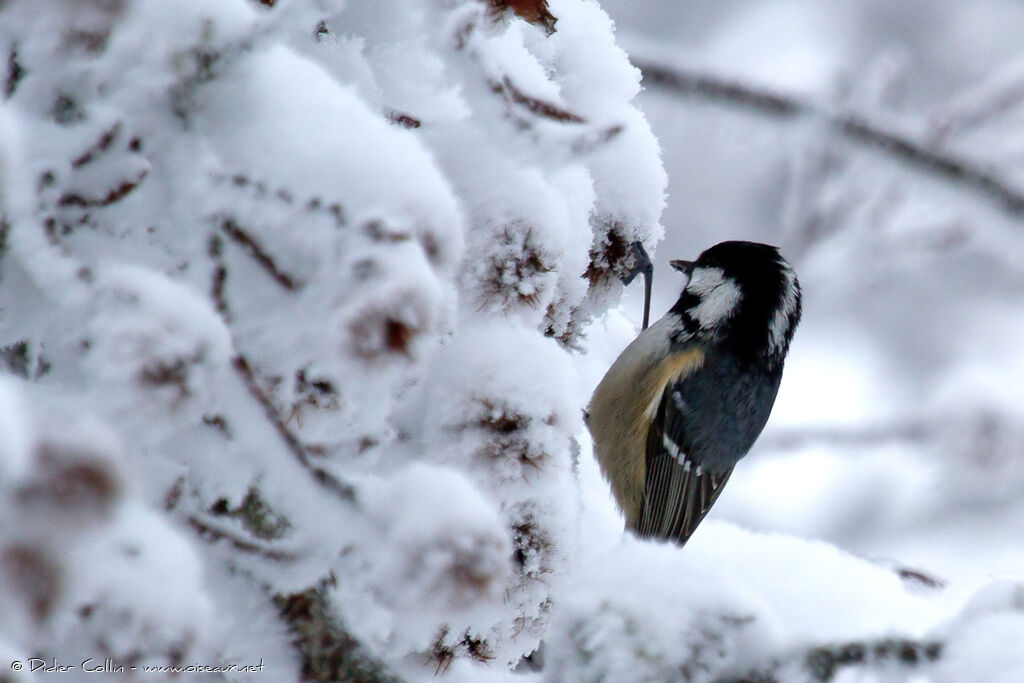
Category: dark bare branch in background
[980,429]
[853,127]
[860,436]
[825,662]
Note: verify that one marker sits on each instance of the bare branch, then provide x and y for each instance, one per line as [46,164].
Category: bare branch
[259,254]
[862,436]
[210,530]
[825,661]
[116,194]
[404,120]
[220,277]
[853,127]
[993,97]
[511,92]
[719,89]
[101,145]
[15,72]
[920,578]
[534,11]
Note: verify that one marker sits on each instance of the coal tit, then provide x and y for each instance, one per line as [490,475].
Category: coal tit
[689,396]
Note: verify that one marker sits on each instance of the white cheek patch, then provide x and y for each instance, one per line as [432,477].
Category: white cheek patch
[787,306]
[718,296]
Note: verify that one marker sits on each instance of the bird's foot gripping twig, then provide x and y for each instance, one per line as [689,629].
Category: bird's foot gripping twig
[641,263]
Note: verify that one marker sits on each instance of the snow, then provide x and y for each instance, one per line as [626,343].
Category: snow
[984,637]
[264,250]
[734,598]
[14,458]
[140,552]
[300,307]
[289,98]
[450,571]
[644,612]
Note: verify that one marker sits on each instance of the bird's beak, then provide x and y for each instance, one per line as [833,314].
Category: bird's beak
[684,267]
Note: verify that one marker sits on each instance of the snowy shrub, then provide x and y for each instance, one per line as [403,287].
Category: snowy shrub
[735,605]
[301,300]
[80,556]
[643,613]
[313,270]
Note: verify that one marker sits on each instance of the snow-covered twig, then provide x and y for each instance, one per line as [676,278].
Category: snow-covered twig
[114,194]
[260,255]
[243,368]
[325,479]
[220,277]
[209,530]
[823,662]
[852,126]
[514,95]
[99,147]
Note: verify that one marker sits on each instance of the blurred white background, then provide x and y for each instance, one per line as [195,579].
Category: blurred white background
[898,433]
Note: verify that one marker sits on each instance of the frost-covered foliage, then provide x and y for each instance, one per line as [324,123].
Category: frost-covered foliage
[300,301]
[81,550]
[292,290]
[745,606]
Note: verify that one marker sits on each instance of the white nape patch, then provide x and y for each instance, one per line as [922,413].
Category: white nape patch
[787,305]
[672,448]
[718,296]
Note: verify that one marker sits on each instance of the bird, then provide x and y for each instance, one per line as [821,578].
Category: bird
[687,399]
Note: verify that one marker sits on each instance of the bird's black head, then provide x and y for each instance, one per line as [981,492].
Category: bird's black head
[743,295]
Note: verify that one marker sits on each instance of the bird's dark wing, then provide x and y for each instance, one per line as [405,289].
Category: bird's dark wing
[678,493]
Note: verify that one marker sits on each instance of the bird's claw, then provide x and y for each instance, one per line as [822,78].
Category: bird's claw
[641,263]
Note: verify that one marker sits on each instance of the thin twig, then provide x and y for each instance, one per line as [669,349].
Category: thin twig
[718,89]
[240,363]
[825,661]
[209,530]
[261,191]
[220,278]
[341,489]
[258,254]
[970,110]
[854,127]
[864,436]
[114,195]
[101,145]
[511,92]
[594,139]
[404,120]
